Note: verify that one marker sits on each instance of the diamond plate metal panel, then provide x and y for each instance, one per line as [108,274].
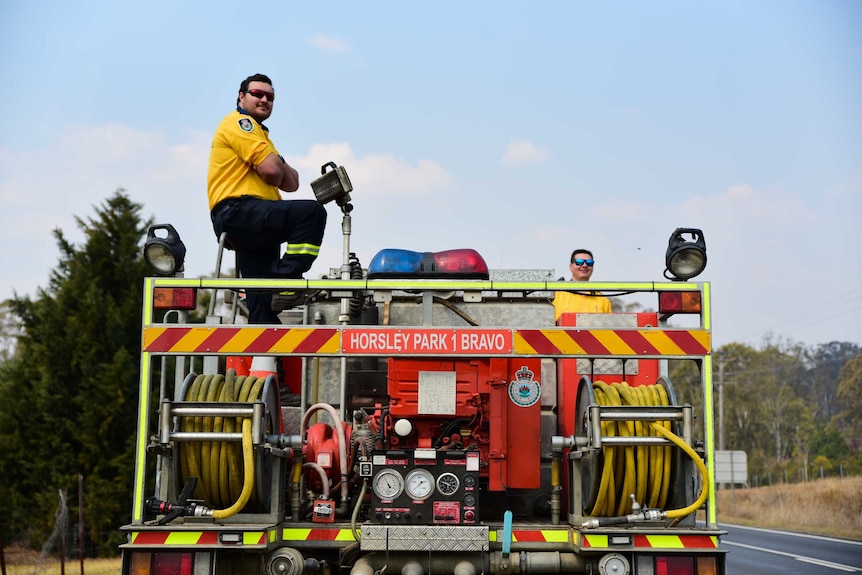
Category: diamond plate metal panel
[424,538]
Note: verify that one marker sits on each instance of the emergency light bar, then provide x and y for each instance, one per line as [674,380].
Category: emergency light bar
[449,264]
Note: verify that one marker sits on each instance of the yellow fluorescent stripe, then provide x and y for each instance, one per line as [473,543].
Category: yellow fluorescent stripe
[183,537]
[665,541]
[251,537]
[556,536]
[295,534]
[344,535]
[492,536]
[596,540]
[141,447]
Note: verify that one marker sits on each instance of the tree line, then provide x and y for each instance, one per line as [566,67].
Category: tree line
[70,368]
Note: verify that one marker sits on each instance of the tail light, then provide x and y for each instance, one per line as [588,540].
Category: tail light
[679,302]
[172,564]
[676,565]
[175,298]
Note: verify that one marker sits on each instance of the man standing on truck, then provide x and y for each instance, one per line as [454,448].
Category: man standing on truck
[244,177]
[581,265]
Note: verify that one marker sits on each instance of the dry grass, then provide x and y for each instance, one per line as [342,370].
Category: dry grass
[828,507]
[20,561]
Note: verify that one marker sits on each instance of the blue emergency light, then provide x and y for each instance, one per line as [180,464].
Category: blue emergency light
[449,264]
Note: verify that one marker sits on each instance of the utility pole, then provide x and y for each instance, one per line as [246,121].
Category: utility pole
[721,405]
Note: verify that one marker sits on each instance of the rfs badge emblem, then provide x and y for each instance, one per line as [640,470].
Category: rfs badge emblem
[524,391]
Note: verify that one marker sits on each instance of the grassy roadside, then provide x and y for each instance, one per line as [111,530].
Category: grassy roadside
[831,507]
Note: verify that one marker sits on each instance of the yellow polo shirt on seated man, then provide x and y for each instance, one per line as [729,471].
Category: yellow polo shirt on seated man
[581,266]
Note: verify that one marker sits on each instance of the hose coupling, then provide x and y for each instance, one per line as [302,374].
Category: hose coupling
[645,515]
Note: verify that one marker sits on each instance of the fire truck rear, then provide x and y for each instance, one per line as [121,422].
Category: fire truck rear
[423,415]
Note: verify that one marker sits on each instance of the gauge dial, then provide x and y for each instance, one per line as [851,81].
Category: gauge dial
[448,483]
[387,484]
[470,500]
[419,484]
[469,481]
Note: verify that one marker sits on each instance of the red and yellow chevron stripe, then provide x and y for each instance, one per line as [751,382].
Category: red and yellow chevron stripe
[641,342]
[235,339]
[655,541]
[213,339]
[317,534]
[189,538]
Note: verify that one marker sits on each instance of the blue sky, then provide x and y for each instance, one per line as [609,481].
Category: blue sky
[522,130]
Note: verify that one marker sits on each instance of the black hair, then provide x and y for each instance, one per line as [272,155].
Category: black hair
[579,251]
[243,87]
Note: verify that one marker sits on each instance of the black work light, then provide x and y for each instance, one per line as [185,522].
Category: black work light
[167,254]
[685,258]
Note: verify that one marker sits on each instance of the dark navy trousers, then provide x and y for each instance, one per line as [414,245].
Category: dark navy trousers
[256,229]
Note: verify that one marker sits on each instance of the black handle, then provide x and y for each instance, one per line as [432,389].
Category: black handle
[323,167]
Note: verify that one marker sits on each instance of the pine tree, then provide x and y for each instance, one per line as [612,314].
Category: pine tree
[68,396]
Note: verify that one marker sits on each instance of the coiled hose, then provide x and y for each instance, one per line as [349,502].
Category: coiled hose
[225,469]
[642,470]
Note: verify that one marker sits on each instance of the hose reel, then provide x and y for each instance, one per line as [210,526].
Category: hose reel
[232,475]
[630,462]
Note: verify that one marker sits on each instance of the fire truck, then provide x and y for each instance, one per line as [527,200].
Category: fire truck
[422,415]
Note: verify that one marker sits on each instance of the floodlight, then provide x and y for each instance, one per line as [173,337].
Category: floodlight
[685,258]
[165,255]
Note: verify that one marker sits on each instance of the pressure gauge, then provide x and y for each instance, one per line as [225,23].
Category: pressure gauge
[387,484]
[419,484]
[448,483]
[470,500]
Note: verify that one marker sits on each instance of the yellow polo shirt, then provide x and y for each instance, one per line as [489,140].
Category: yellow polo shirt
[565,302]
[239,145]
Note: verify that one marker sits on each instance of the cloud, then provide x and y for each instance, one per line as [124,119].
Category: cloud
[522,152]
[329,43]
[168,177]
[374,174]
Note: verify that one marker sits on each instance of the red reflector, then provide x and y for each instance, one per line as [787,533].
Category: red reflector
[172,564]
[674,565]
[175,298]
[679,302]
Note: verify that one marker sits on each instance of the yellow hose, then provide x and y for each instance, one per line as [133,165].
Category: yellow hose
[217,463]
[704,492]
[644,471]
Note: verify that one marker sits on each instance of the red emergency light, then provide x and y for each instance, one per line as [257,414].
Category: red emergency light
[449,264]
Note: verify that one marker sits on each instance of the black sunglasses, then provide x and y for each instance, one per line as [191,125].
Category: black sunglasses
[581,261]
[261,93]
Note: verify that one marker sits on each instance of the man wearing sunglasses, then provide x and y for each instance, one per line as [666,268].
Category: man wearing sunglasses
[244,183]
[581,265]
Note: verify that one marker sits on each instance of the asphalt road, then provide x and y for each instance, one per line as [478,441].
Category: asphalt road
[754,551]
